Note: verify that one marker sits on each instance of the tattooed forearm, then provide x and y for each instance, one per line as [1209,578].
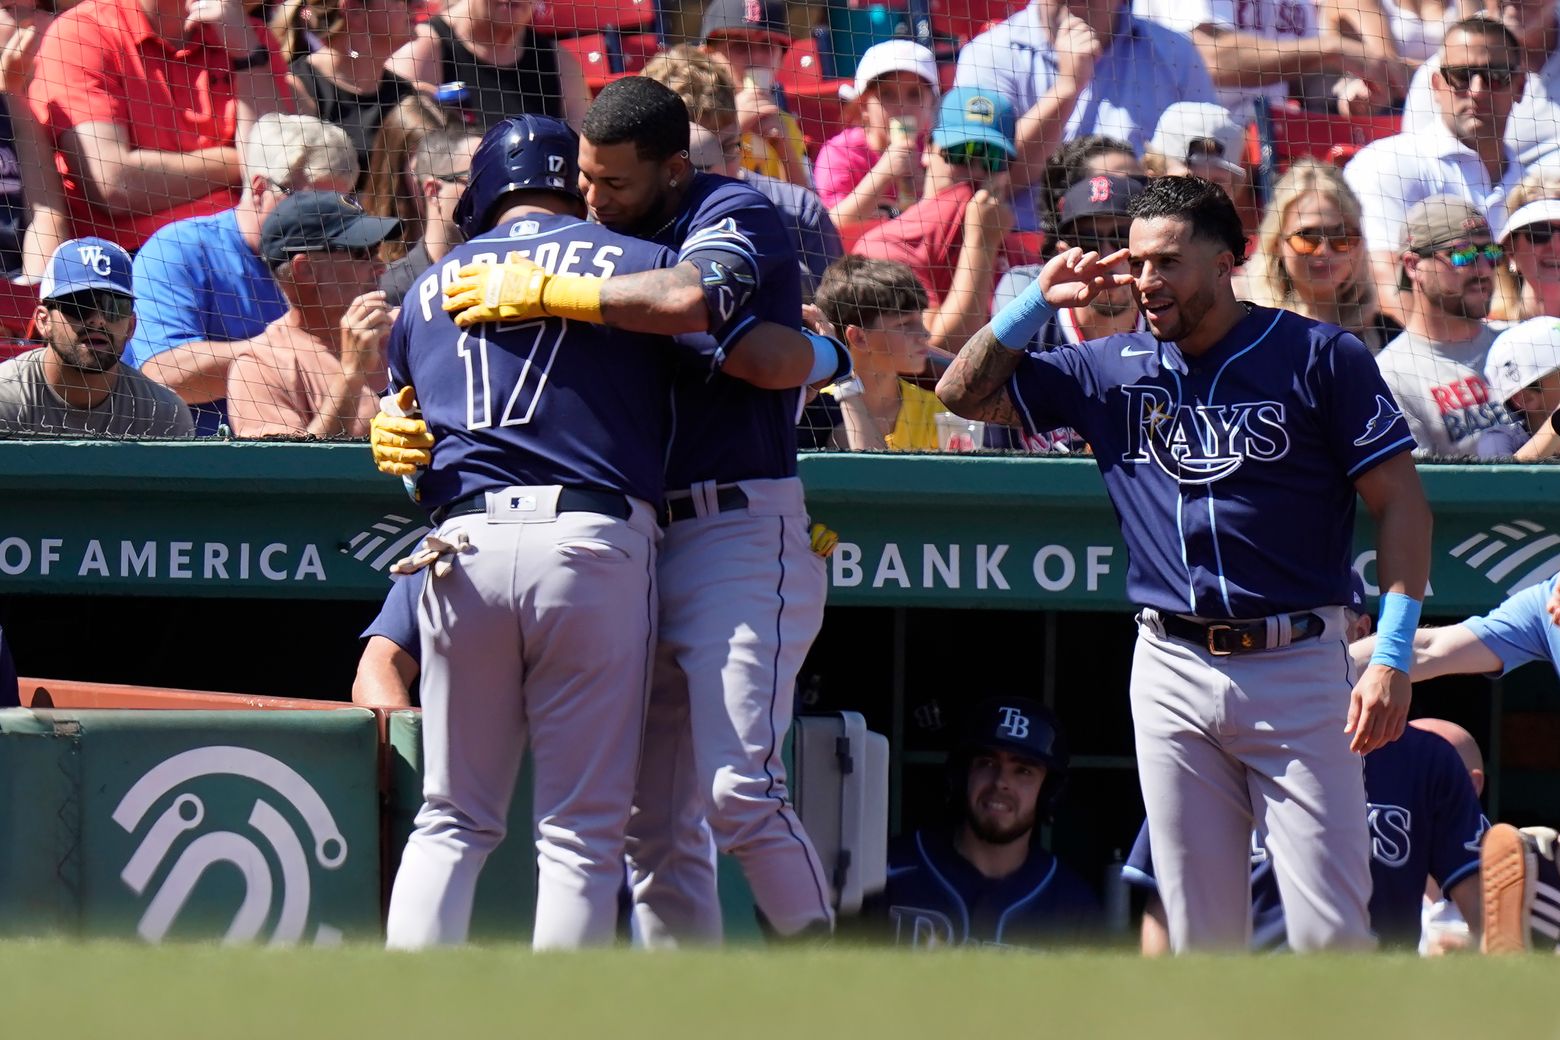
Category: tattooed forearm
[975,385]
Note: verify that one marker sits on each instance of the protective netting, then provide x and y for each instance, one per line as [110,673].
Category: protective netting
[926,155]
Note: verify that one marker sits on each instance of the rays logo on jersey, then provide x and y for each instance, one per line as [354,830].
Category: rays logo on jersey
[1387,413]
[1202,443]
[1390,827]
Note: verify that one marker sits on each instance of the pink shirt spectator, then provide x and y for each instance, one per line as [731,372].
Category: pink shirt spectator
[842,162]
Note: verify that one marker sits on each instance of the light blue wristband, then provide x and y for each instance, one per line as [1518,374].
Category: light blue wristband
[1395,631]
[831,360]
[1016,324]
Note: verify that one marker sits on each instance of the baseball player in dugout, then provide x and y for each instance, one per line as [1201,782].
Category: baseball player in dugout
[1520,878]
[983,879]
[537,616]
[741,591]
[1232,440]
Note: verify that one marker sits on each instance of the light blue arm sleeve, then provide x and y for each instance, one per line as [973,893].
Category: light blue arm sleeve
[1519,630]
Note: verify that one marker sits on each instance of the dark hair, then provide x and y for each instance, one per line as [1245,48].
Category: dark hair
[1068,164]
[638,109]
[1492,29]
[1201,203]
[857,290]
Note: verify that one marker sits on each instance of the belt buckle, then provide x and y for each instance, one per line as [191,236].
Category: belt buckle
[1210,631]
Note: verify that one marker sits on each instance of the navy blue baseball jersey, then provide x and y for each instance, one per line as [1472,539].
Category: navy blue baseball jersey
[935,897]
[1424,821]
[724,429]
[545,401]
[397,620]
[1212,461]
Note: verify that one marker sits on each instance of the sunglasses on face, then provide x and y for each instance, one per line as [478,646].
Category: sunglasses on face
[1538,234]
[977,153]
[1308,241]
[78,307]
[1460,77]
[1467,256]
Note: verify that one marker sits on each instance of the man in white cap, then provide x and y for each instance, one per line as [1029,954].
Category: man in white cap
[76,384]
[1523,370]
[1199,139]
[873,170]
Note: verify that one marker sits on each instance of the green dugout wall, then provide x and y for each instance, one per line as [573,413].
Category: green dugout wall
[955,576]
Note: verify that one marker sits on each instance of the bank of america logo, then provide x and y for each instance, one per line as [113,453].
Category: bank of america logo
[1519,548]
[386,541]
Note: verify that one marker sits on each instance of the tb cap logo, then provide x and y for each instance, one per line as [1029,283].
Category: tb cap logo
[1014,723]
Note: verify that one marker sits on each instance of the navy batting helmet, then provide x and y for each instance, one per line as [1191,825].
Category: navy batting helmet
[522,153]
[1023,727]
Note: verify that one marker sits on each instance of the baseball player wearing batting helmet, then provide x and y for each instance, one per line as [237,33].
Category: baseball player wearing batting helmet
[537,618]
[1521,879]
[983,880]
[741,591]
[1232,440]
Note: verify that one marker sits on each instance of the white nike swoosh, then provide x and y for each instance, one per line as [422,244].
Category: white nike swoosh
[1130,352]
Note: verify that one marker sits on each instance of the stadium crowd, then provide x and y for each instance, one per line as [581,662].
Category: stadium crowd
[1397,169]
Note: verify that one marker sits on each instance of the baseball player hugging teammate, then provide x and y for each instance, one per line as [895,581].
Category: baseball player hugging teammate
[538,619]
[1232,440]
[740,591]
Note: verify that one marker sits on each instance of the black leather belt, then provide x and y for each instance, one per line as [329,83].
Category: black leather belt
[727,499]
[1222,638]
[570,500]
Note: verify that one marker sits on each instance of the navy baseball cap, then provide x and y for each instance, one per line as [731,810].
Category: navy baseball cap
[86,263]
[1104,195]
[312,221]
[970,114]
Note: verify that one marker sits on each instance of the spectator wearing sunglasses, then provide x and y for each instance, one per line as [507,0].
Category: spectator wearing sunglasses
[440,170]
[953,239]
[318,370]
[1461,153]
[202,288]
[1533,129]
[76,384]
[1530,282]
[1310,256]
[1435,368]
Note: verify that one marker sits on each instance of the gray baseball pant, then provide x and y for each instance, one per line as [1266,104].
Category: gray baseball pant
[742,598]
[542,632]
[1252,739]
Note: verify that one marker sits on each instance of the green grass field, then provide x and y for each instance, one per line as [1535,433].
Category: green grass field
[127,992]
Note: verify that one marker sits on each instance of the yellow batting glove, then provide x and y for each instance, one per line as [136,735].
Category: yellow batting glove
[510,291]
[517,290]
[824,539]
[398,436]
